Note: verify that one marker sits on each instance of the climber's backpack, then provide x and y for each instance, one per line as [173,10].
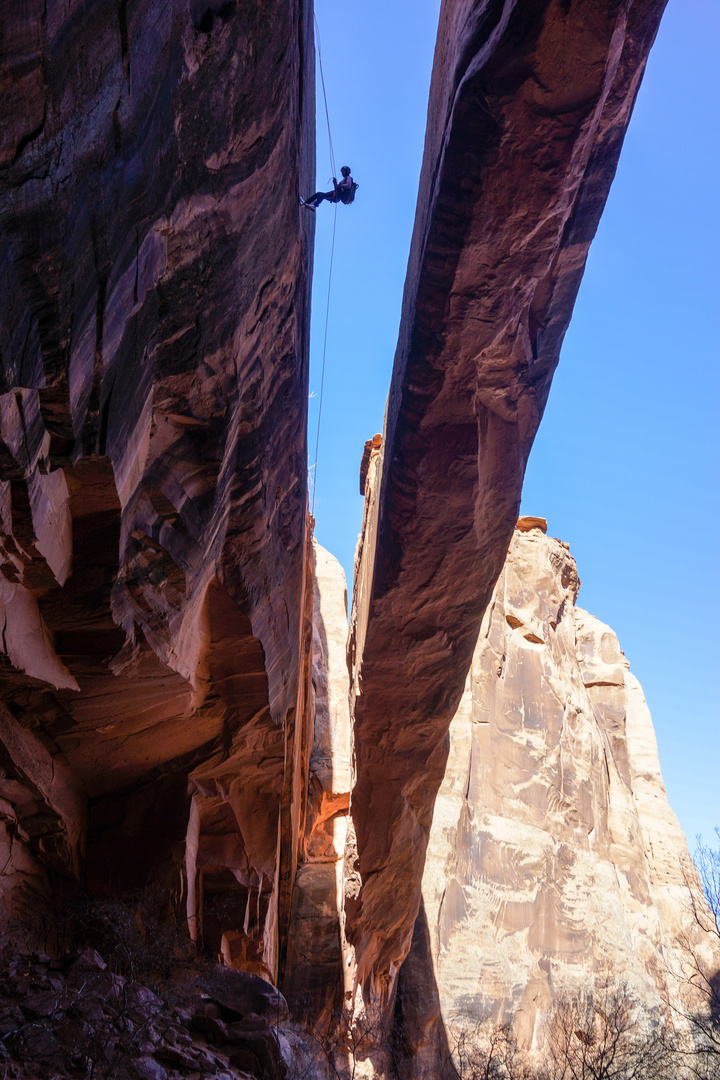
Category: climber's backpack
[346,197]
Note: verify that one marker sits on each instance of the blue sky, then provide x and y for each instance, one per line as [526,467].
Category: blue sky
[625,466]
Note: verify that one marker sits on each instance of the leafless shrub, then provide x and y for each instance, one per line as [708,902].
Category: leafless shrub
[485,1051]
[344,1040]
[707,860]
[607,1036]
[604,1035]
[701,1058]
[139,936]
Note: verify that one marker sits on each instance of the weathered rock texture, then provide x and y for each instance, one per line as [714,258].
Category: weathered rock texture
[313,982]
[554,862]
[73,1016]
[528,108]
[153,336]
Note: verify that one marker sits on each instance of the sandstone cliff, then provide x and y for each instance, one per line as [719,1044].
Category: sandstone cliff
[163,611]
[555,865]
[313,977]
[554,860]
[529,104]
[154,313]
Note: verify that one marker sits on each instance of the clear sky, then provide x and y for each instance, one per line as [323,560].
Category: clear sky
[625,466]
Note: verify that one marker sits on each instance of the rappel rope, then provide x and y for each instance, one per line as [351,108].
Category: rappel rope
[322,376]
[322,81]
[332,255]
[287,886]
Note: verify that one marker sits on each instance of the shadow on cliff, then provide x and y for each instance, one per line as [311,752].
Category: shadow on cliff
[312,961]
[420,1042]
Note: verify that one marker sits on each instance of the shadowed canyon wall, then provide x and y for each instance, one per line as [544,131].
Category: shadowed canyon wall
[154,314]
[529,104]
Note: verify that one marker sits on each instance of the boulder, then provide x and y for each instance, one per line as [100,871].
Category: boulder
[244,994]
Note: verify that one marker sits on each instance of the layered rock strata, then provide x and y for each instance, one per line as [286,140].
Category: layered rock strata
[529,104]
[555,863]
[154,313]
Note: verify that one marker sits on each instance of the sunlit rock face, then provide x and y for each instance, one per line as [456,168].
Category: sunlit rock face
[313,974]
[154,317]
[554,861]
[529,104]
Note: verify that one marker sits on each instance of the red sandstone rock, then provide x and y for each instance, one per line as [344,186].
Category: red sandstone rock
[313,970]
[153,324]
[154,312]
[528,108]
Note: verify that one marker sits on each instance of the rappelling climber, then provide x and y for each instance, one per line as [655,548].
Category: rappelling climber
[343,192]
